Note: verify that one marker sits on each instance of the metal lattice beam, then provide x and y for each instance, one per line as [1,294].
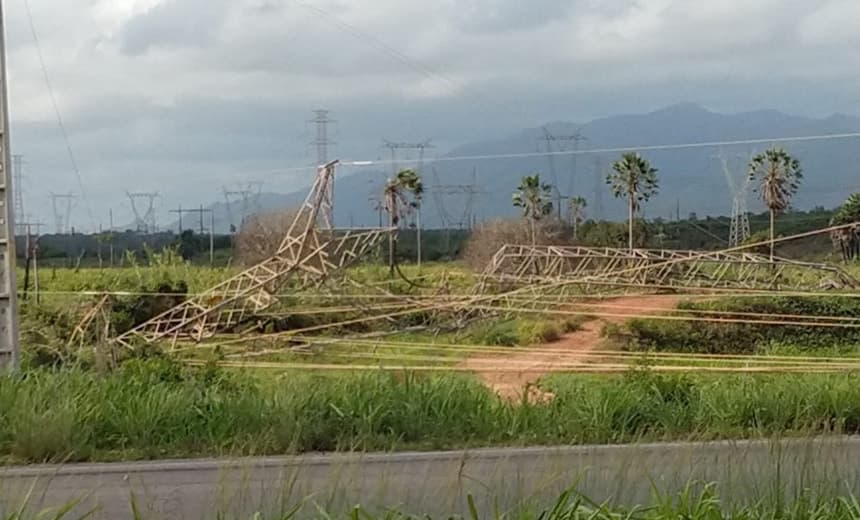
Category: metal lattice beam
[310,251]
[525,264]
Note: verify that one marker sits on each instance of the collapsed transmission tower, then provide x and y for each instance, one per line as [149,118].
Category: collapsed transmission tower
[143,207]
[523,265]
[62,203]
[739,229]
[311,250]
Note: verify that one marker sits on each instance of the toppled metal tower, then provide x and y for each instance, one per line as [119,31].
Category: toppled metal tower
[658,269]
[311,250]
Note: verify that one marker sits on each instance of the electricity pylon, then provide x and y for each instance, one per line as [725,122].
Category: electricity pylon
[143,207]
[739,229]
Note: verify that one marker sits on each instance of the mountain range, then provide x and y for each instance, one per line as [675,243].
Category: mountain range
[692,179]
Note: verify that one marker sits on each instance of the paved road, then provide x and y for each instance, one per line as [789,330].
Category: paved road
[435,482]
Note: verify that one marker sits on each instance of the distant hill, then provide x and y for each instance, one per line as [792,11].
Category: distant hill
[691,180]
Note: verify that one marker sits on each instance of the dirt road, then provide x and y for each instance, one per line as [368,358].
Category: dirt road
[510,375]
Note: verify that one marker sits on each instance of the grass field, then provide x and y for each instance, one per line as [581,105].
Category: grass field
[153,409]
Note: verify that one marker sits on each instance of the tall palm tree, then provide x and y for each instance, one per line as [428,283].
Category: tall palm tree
[401,196]
[848,238]
[576,207]
[778,175]
[633,178]
[534,198]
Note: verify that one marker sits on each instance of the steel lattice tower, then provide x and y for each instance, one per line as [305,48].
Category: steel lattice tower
[739,229]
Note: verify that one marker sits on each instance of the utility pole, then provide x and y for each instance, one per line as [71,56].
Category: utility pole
[9,348]
[61,203]
[110,242]
[143,207]
[200,213]
[31,248]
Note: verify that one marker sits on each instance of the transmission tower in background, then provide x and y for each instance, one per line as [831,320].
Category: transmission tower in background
[18,175]
[247,198]
[396,148]
[322,142]
[143,207]
[739,229]
[555,144]
[466,192]
[62,203]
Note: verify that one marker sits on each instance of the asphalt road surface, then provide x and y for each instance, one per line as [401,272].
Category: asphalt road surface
[435,483]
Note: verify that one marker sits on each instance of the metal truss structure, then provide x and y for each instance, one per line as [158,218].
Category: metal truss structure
[312,249]
[525,264]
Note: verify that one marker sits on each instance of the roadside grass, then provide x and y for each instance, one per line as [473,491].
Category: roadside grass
[694,502]
[157,409]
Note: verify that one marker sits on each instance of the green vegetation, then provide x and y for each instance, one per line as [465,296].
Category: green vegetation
[533,198]
[746,338]
[848,239]
[155,409]
[692,503]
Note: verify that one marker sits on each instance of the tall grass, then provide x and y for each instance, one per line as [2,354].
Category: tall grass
[159,409]
[685,505]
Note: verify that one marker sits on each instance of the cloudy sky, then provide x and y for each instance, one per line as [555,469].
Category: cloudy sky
[186,96]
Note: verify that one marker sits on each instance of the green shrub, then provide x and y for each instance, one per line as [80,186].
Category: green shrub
[741,338]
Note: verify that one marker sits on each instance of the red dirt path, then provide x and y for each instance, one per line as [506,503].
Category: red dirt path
[510,375]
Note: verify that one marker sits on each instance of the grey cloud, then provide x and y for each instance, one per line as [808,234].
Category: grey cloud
[174,23]
[232,82]
[508,15]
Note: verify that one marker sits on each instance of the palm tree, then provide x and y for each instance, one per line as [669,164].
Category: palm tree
[633,178]
[534,198]
[576,207]
[778,176]
[401,195]
[847,238]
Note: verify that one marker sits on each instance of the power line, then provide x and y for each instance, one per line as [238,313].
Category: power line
[359,163]
[59,116]
[620,149]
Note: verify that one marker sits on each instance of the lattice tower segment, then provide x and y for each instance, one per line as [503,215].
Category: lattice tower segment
[310,251]
[522,265]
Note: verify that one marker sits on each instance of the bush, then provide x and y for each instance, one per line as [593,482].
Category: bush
[489,237]
[261,235]
[744,338]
